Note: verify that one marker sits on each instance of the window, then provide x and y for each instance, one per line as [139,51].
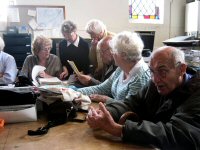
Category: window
[146,11]
[3,11]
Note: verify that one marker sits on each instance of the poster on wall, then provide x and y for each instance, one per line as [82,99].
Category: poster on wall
[49,18]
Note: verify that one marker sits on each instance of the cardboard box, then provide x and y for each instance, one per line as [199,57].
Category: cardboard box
[18,113]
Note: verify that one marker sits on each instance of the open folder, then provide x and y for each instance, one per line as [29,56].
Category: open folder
[72,64]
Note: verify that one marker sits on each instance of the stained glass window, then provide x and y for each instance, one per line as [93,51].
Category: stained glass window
[146,11]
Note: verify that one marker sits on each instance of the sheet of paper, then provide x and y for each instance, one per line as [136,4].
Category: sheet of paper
[72,64]
[35,72]
[13,15]
[32,13]
[32,23]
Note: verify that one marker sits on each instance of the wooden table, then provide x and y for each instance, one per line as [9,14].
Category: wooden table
[69,136]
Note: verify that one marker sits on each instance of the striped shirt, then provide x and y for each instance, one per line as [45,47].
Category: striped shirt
[118,88]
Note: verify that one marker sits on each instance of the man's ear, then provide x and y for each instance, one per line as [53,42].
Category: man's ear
[183,68]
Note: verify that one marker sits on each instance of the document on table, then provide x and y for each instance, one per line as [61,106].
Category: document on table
[72,64]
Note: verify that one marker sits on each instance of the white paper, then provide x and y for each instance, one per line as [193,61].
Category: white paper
[72,64]
[13,15]
[49,81]
[32,13]
[35,72]
[32,23]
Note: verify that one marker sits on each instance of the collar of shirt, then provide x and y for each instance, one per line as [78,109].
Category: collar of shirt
[75,43]
[135,70]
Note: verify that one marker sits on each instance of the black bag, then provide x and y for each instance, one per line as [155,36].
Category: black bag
[23,81]
[17,96]
[58,113]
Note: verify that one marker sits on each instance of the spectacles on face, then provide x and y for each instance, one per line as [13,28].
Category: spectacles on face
[96,36]
[104,50]
[46,49]
[162,72]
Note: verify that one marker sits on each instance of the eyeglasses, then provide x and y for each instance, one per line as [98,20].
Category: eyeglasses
[104,50]
[46,49]
[163,72]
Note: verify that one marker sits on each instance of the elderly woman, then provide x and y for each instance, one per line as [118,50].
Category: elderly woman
[8,67]
[73,48]
[41,56]
[97,31]
[130,76]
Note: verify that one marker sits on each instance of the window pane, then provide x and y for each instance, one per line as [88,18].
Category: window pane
[146,11]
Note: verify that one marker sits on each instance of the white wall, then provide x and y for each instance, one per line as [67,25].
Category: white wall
[114,13]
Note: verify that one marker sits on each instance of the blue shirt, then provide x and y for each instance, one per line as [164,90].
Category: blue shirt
[8,68]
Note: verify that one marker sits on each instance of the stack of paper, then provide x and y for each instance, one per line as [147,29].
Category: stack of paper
[49,81]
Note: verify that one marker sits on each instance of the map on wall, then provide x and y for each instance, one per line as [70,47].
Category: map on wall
[49,18]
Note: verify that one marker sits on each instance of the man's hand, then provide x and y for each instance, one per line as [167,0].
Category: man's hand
[94,42]
[101,118]
[98,98]
[84,79]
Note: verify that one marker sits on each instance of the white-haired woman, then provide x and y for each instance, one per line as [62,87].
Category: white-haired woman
[97,31]
[8,67]
[132,72]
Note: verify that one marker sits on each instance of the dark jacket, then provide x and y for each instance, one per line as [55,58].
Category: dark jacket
[80,55]
[105,75]
[168,122]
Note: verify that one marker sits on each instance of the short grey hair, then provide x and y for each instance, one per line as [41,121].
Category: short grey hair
[68,27]
[95,26]
[177,55]
[2,44]
[104,41]
[128,43]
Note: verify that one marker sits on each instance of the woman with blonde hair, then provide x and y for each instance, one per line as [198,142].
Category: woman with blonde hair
[41,48]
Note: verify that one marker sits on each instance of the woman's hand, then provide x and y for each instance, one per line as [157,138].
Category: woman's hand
[99,98]
[64,74]
[43,74]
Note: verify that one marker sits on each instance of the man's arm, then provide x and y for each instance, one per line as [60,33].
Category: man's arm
[10,73]
[182,131]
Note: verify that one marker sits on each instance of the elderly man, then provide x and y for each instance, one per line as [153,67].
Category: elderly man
[73,48]
[8,67]
[168,108]
[108,61]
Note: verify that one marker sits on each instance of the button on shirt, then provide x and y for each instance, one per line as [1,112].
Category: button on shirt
[8,68]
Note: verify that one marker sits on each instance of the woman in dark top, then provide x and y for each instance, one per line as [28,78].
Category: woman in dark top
[73,48]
